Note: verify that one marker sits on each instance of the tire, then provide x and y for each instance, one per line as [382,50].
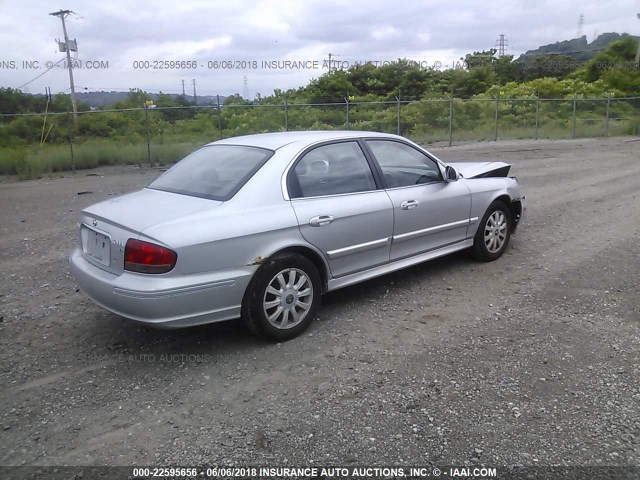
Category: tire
[492,238]
[277,308]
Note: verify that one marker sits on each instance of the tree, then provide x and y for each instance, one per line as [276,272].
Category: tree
[615,66]
[14,101]
[541,66]
[484,58]
[170,112]
[506,70]
[331,87]
[135,99]
[235,99]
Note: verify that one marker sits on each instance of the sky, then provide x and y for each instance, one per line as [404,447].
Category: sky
[241,46]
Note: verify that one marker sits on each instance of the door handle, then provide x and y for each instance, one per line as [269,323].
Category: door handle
[321,220]
[409,204]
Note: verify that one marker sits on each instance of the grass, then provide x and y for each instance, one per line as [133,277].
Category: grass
[34,161]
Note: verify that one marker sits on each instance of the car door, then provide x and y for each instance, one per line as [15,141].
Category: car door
[341,209]
[429,213]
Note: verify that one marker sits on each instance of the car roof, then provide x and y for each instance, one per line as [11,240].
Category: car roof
[276,140]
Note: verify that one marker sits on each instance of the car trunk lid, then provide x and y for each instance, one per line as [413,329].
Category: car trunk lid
[106,226]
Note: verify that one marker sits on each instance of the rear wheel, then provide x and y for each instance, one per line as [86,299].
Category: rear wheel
[282,297]
[494,232]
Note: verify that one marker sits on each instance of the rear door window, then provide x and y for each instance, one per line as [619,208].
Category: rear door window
[332,169]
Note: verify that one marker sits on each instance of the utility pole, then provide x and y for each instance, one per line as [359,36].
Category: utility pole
[638,51]
[68,47]
[183,88]
[332,66]
[195,99]
[245,88]
[502,43]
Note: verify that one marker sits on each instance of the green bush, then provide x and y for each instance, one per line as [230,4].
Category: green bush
[108,138]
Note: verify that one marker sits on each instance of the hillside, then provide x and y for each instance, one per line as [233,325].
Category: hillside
[577,48]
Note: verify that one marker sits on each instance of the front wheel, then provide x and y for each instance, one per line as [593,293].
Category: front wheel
[494,232]
[282,297]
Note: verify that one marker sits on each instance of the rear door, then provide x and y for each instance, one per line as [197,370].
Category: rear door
[341,209]
[429,213]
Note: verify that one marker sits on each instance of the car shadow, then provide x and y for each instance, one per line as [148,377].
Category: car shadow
[373,289]
[116,337]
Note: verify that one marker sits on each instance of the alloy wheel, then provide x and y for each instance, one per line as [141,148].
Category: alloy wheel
[288,298]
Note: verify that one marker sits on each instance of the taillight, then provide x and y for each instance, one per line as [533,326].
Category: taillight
[145,257]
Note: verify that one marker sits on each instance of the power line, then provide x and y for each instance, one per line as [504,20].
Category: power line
[46,71]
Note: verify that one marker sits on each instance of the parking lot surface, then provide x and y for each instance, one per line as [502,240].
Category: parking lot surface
[530,360]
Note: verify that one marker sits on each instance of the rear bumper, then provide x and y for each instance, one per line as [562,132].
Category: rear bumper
[164,301]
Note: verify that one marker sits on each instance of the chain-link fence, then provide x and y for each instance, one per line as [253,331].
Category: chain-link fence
[32,144]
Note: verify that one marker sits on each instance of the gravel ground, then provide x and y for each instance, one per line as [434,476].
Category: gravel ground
[529,360]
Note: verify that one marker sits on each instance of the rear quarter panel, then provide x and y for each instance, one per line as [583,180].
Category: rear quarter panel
[228,237]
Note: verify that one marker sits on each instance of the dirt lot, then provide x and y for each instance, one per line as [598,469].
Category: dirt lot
[530,360]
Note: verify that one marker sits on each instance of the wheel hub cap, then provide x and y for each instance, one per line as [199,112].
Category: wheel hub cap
[288,298]
[495,231]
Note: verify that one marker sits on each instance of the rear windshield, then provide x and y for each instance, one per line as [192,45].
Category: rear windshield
[216,171]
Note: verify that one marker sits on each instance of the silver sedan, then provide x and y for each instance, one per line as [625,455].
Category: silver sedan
[259,227]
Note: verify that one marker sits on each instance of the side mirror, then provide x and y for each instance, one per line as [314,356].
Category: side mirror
[451,174]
